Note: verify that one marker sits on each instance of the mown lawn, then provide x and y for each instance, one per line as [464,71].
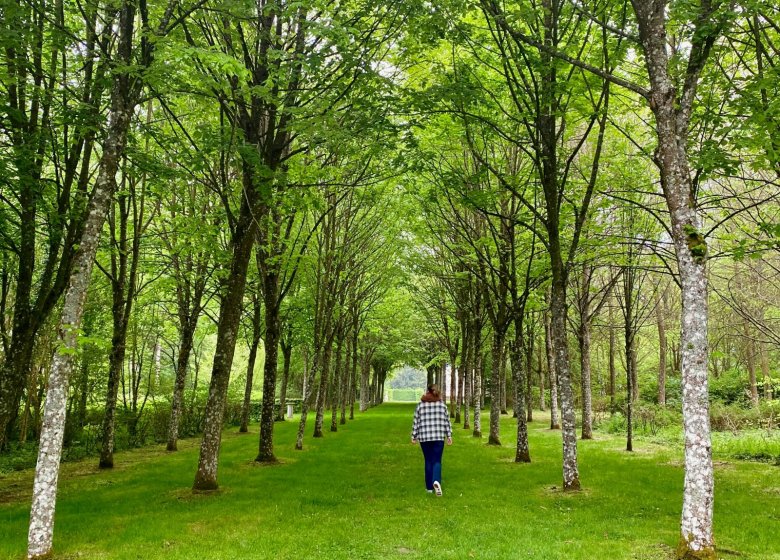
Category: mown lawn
[359,494]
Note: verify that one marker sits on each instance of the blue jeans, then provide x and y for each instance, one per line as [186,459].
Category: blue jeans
[432,451]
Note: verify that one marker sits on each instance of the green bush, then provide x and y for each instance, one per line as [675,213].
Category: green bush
[730,387]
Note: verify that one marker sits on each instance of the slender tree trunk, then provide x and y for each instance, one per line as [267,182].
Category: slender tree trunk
[306,402]
[477,387]
[177,402]
[41,530]
[583,338]
[495,388]
[542,404]
[750,358]
[337,386]
[322,392]
[523,452]
[227,331]
[660,313]
[765,372]
[246,404]
[571,476]
[529,356]
[611,360]
[365,370]
[116,362]
[286,356]
[554,422]
[265,452]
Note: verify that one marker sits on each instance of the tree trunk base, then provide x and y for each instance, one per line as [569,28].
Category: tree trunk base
[684,552]
[266,459]
[555,426]
[299,447]
[492,440]
[172,446]
[334,428]
[573,486]
[317,433]
[205,486]
[477,433]
[586,436]
[522,457]
[243,430]
[106,463]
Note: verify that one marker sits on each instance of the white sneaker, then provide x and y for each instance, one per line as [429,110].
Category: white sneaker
[437,487]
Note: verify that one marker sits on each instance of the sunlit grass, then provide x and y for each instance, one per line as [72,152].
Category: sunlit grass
[359,493]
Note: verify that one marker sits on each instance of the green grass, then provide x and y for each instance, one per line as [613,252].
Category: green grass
[359,494]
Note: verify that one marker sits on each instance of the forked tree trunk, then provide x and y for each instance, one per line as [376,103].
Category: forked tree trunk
[672,117]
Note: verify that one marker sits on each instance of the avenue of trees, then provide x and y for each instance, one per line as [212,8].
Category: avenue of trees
[212,208]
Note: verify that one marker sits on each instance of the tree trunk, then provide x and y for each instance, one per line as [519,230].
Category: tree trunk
[542,404]
[286,347]
[227,330]
[571,476]
[611,365]
[177,402]
[765,372]
[523,451]
[495,388]
[554,422]
[672,118]
[583,338]
[250,368]
[265,453]
[477,387]
[365,370]
[308,383]
[337,385]
[750,358]
[529,357]
[123,102]
[660,313]
[322,392]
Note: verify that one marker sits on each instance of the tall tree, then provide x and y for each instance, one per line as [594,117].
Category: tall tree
[125,96]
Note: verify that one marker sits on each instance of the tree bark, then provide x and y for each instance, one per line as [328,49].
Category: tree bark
[227,329]
[250,367]
[554,422]
[523,452]
[672,117]
[495,388]
[286,347]
[660,313]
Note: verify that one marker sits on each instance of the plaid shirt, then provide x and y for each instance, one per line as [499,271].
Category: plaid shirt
[431,422]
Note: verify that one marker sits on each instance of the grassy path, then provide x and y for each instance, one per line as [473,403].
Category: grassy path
[359,494]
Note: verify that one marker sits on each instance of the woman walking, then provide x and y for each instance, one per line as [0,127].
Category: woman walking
[431,427]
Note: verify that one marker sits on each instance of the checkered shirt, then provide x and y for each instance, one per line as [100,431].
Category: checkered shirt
[431,422]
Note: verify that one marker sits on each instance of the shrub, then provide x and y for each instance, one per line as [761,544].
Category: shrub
[730,387]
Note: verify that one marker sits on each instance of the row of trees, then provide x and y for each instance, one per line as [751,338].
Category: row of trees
[262,170]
